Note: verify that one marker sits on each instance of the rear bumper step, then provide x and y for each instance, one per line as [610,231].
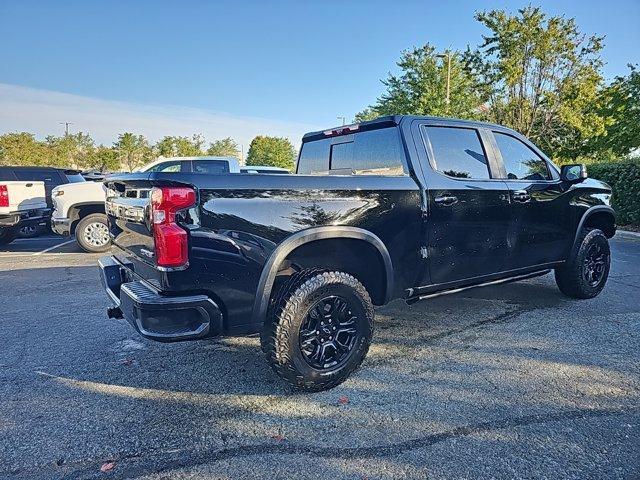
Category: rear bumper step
[157,317]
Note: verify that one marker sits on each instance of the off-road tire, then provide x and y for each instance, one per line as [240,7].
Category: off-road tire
[32,232]
[80,233]
[280,338]
[570,277]
[7,235]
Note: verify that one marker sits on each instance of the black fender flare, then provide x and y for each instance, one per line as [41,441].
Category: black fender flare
[588,212]
[270,269]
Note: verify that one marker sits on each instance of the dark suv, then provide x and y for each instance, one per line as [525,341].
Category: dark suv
[399,207]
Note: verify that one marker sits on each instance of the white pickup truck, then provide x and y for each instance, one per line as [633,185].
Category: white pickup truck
[21,204]
[79,207]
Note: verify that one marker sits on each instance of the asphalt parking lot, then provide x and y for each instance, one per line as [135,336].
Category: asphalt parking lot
[513,381]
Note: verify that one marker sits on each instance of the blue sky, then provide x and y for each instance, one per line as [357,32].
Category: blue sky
[290,65]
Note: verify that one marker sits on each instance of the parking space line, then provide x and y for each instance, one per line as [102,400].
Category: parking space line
[35,239]
[54,247]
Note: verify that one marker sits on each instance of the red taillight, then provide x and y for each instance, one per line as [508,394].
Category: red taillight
[170,239]
[4,196]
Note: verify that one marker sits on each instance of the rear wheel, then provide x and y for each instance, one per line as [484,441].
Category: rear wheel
[585,274]
[7,235]
[319,330]
[92,233]
[30,231]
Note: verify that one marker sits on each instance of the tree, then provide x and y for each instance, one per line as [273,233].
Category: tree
[103,159]
[621,107]
[271,151]
[22,149]
[71,150]
[420,87]
[225,147]
[180,146]
[541,77]
[133,150]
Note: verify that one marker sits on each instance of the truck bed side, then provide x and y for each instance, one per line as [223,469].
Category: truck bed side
[240,221]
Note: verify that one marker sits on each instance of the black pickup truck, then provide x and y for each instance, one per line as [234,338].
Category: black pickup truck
[399,207]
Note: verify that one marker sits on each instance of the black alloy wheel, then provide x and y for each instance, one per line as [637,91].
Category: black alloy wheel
[329,333]
[595,263]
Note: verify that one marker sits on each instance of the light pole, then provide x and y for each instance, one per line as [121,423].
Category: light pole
[66,127]
[344,119]
[448,57]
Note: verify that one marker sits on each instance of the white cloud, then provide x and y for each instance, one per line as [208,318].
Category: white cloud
[41,111]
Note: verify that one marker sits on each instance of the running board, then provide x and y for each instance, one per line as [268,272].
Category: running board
[517,278]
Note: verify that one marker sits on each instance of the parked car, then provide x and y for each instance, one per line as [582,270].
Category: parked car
[22,205]
[51,177]
[399,207]
[264,169]
[78,209]
[210,165]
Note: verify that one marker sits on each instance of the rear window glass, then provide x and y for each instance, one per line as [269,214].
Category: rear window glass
[215,167]
[314,157]
[7,175]
[458,152]
[47,177]
[74,177]
[373,152]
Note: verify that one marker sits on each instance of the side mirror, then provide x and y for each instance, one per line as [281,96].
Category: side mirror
[573,173]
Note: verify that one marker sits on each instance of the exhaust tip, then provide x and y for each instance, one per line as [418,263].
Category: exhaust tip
[114,312]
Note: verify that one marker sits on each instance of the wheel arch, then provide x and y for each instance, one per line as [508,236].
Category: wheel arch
[599,216]
[80,210]
[305,237]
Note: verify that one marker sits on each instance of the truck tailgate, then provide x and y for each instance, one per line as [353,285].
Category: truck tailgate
[24,196]
[128,209]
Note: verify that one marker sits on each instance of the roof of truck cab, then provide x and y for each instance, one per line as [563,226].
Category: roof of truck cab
[37,167]
[391,120]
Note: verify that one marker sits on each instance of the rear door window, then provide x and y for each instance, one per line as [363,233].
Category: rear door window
[520,162]
[458,152]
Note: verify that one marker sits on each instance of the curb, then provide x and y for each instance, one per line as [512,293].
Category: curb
[627,234]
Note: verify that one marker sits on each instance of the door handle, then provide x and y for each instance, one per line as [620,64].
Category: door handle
[521,196]
[446,200]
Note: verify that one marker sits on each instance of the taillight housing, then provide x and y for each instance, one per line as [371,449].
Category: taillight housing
[4,196]
[171,241]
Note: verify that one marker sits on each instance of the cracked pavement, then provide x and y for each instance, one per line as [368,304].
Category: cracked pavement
[510,381]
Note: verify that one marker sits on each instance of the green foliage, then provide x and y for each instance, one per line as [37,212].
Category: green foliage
[420,88]
[79,151]
[624,178]
[180,146]
[22,149]
[104,159]
[542,78]
[225,147]
[71,150]
[621,107]
[133,151]
[271,151]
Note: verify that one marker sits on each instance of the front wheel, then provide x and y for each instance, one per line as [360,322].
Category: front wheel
[92,233]
[319,330]
[585,274]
